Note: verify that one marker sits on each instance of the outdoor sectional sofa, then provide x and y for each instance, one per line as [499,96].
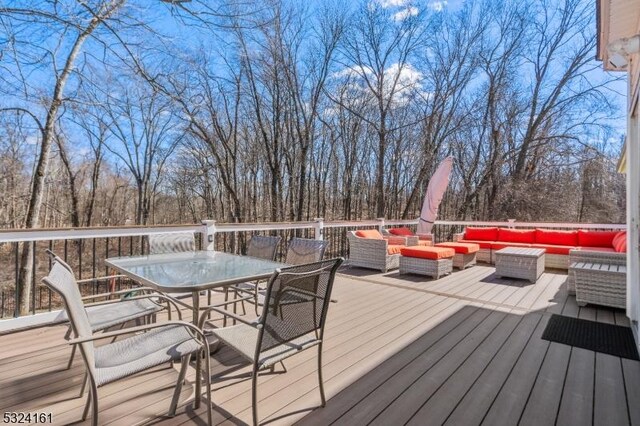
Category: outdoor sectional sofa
[557,244]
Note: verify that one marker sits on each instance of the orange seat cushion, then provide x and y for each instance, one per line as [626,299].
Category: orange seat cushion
[525,236]
[371,234]
[482,244]
[560,238]
[425,243]
[554,249]
[620,242]
[462,248]
[402,232]
[481,234]
[431,253]
[394,248]
[498,245]
[596,238]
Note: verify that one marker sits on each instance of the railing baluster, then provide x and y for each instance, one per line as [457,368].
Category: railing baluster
[33,278]
[16,299]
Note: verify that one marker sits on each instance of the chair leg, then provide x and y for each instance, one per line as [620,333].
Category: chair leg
[73,354]
[322,398]
[86,407]
[207,367]
[84,383]
[226,299]
[254,394]
[178,389]
[94,405]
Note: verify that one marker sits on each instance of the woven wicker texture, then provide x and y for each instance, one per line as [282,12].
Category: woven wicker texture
[369,253]
[524,263]
[432,268]
[175,242]
[302,250]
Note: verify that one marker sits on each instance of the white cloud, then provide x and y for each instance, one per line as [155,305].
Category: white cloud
[405,13]
[392,3]
[438,6]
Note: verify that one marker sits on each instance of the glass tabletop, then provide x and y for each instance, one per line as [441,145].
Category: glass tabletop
[193,271]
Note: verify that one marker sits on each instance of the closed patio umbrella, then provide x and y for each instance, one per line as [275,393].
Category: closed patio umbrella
[435,191]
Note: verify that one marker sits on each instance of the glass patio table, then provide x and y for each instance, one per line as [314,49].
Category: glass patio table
[193,272]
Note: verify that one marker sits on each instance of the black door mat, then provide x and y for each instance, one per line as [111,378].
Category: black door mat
[610,339]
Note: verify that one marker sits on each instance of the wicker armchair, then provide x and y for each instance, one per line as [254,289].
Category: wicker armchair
[374,253]
[411,239]
[159,344]
[598,277]
[297,301]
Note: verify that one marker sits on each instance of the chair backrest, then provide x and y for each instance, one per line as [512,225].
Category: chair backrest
[174,242]
[296,302]
[263,247]
[62,281]
[302,250]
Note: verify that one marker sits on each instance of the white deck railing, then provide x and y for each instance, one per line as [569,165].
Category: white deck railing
[212,236]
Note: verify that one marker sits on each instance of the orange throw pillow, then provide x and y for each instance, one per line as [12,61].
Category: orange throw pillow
[402,232]
[620,242]
[372,234]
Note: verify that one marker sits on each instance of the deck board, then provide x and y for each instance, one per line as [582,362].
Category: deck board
[462,350]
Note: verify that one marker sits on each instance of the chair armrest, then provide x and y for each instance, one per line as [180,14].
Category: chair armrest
[402,241]
[370,243]
[116,293]
[590,256]
[147,327]
[458,237]
[170,301]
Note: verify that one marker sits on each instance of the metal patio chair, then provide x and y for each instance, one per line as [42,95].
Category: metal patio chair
[261,247]
[118,312]
[174,242]
[159,344]
[300,251]
[293,319]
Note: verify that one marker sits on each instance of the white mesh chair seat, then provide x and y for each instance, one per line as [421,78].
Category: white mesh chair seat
[244,338]
[142,351]
[106,316]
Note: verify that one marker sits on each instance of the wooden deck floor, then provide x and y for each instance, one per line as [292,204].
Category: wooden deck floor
[462,350]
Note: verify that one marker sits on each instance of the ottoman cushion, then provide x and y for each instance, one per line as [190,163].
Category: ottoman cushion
[431,253]
[482,244]
[394,249]
[462,248]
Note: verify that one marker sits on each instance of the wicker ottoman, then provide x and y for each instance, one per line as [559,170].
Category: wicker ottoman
[525,263]
[600,283]
[465,253]
[431,261]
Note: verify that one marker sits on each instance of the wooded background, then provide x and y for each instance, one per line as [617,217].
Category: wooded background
[116,112]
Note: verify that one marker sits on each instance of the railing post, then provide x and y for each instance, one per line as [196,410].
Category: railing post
[209,234]
[380,224]
[319,228]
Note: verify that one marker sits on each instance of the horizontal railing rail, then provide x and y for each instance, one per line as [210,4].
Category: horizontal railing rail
[87,248]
